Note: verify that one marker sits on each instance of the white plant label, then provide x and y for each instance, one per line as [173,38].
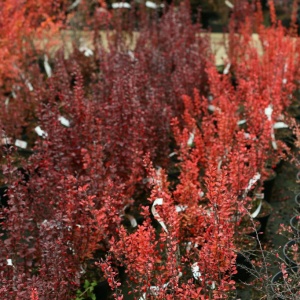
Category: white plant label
[64,121]
[252,181]
[152,5]
[268,112]
[9,262]
[229,4]
[40,131]
[191,139]
[120,5]
[196,271]
[226,69]
[158,201]
[132,220]
[21,144]
[172,154]
[257,211]
[74,4]
[279,125]
[241,122]
[180,208]
[86,51]
[47,66]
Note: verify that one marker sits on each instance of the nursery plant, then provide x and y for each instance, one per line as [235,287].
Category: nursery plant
[95,202]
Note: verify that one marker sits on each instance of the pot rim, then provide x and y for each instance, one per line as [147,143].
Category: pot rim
[297,200]
[277,276]
[291,222]
[288,244]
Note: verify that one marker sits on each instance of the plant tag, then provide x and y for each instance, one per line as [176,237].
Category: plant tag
[196,271]
[279,125]
[158,201]
[151,4]
[241,122]
[229,4]
[120,5]
[6,102]
[21,144]
[14,94]
[252,181]
[47,66]
[74,4]
[257,211]
[9,262]
[274,144]
[191,139]
[211,107]
[172,154]
[180,208]
[40,132]
[131,55]
[64,121]
[260,195]
[226,69]
[86,51]
[132,220]
[29,85]
[268,112]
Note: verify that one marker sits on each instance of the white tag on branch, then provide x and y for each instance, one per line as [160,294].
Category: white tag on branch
[64,121]
[151,4]
[259,195]
[74,4]
[284,81]
[47,67]
[211,107]
[131,55]
[172,154]
[14,94]
[29,85]
[6,102]
[241,122]
[257,211]
[180,208]
[131,219]
[196,271]
[9,262]
[120,5]
[279,125]
[201,194]
[274,144]
[40,131]
[252,181]
[21,144]
[229,4]
[86,51]
[191,139]
[226,69]
[158,201]
[220,165]
[268,112]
